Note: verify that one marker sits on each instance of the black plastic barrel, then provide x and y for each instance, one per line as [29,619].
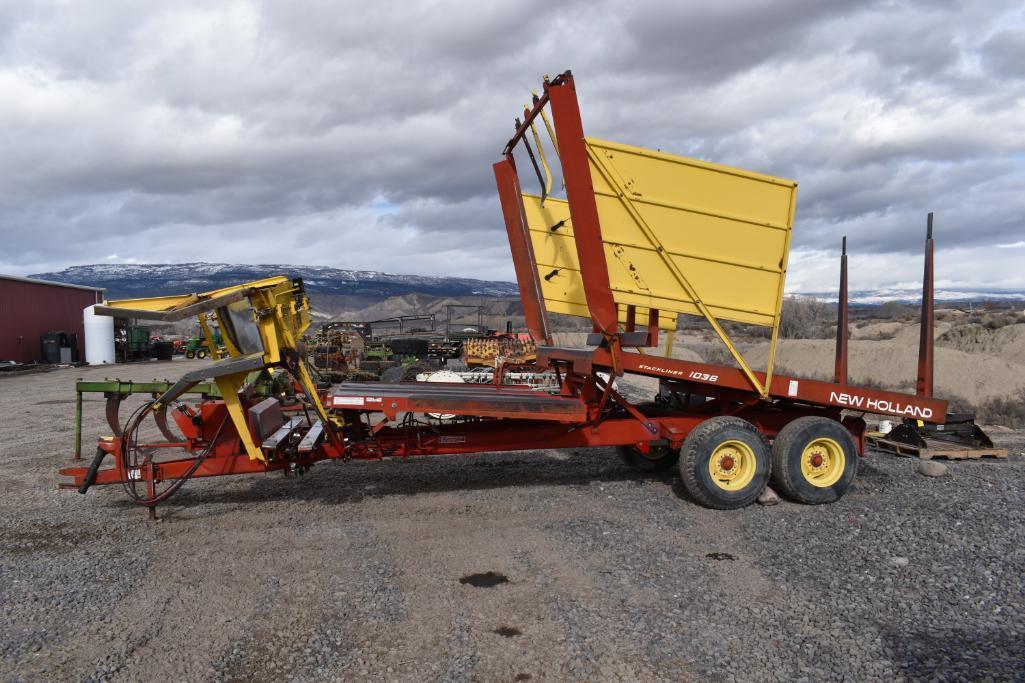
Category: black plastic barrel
[163,350]
[408,346]
[50,344]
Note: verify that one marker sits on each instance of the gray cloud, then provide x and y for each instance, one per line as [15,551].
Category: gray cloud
[362,136]
[1003,53]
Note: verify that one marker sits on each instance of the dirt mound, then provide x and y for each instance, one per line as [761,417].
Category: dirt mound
[1007,342]
[975,377]
[909,333]
[904,333]
[876,330]
[971,364]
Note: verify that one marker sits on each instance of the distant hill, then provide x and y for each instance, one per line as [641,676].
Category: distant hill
[344,293]
[131,280]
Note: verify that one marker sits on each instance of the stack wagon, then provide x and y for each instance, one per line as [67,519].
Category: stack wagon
[638,238]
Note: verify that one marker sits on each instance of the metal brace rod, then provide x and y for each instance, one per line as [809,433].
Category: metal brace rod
[533,162]
[626,405]
[534,112]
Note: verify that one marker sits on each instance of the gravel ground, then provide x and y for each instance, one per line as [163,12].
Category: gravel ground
[355,571]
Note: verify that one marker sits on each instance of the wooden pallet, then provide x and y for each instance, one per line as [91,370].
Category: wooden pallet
[936,448]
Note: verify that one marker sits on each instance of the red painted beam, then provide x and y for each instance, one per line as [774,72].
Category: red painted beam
[840,368]
[576,170]
[481,400]
[814,392]
[524,262]
[924,385]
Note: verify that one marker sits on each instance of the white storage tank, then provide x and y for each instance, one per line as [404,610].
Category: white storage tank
[99,337]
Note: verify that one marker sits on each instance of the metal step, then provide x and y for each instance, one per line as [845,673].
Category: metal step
[271,443]
[311,438]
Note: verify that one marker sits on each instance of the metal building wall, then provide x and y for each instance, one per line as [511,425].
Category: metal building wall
[28,309]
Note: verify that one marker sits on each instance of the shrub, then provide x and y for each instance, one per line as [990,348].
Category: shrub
[959,404]
[995,322]
[1008,411]
[804,318]
[894,310]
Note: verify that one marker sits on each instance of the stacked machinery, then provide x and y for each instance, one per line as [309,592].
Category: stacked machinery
[489,351]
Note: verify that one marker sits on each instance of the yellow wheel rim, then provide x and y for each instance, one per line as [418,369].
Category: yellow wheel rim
[732,465]
[823,462]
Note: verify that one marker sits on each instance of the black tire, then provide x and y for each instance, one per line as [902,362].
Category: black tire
[201,353]
[190,354]
[735,443]
[657,459]
[824,485]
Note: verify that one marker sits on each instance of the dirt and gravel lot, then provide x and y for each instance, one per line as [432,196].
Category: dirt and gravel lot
[365,570]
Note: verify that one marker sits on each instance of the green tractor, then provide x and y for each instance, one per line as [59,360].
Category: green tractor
[198,348]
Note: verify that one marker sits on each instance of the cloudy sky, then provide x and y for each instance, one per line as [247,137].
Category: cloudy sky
[361,135]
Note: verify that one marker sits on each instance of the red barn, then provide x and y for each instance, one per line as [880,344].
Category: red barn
[30,308]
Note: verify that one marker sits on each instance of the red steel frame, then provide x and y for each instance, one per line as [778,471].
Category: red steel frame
[561,93]
[588,412]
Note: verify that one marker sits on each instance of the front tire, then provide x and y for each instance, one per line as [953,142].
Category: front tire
[190,354]
[725,463]
[657,459]
[814,460]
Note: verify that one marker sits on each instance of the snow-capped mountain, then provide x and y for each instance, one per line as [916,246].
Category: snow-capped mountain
[874,297]
[136,280]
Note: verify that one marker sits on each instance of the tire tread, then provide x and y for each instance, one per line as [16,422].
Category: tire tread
[785,478]
[690,453]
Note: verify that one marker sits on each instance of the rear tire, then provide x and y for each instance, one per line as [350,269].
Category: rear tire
[814,460]
[657,459]
[725,463]
[201,353]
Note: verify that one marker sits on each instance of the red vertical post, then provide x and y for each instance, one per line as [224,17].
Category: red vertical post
[652,327]
[631,318]
[576,170]
[840,369]
[925,341]
[524,262]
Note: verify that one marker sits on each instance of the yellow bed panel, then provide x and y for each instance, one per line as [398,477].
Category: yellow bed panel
[724,230]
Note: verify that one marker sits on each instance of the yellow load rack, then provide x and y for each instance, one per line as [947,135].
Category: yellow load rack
[677,232]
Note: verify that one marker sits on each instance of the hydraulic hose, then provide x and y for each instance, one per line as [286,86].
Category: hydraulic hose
[129,443]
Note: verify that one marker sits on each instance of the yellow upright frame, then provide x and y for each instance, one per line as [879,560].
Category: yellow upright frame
[281,313]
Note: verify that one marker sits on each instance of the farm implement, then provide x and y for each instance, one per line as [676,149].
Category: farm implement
[638,238]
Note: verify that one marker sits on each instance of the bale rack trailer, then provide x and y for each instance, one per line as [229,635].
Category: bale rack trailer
[638,238]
